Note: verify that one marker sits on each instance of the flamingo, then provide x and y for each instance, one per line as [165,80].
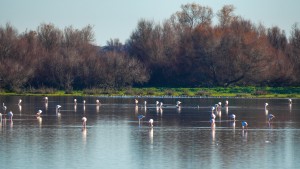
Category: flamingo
[4,108]
[97,102]
[218,106]
[290,101]
[266,106]
[75,101]
[151,122]
[46,99]
[19,103]
[39,113]
[178,104]
[232,116]
[270,117]
[213,116]
[10,115]
[58,108]
[157,103]
[212,121]
[244,124]
[140,117]
[84,119]
[161,104]
[226,103]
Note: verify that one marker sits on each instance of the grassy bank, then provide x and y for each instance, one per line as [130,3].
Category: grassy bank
[259,92]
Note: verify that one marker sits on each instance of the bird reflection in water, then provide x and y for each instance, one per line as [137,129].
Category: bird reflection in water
[151,135]
[97,108]
[136,109]
[213,133]
[20,109]
[40,120]
[84,135]
[244,135]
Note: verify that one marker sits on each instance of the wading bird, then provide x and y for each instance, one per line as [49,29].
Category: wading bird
[58,109]
[212,122]
[39,113]
[4,107]
[10,115]
[270,117]
[266,106]
[140,117]
[75,101]
[232,116]
[84,119]
[178,104]
[46,99]
[97,102]
[226,103]
[244,124]
[151,122]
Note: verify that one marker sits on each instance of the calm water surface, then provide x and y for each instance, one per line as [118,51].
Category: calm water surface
[180,138]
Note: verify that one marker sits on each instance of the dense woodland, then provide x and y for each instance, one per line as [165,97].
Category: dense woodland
[186,50]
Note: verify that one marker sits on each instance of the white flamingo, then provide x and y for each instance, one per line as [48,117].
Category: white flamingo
[58,109]
[151,122]
[84,119]
[213,116]
[232,116]
[157,103]
[97,102]
[226,103]
[266,106]
[75,101]
[161,104]
[4,107]
[212,122]
[46,99]
[39,113]
[178,104]
[20,101]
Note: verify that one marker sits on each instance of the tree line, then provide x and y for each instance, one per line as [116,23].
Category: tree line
[185,50]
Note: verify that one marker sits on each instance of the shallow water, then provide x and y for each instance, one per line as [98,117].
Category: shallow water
[180,138]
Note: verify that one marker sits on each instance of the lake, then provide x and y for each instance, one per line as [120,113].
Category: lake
[180,138]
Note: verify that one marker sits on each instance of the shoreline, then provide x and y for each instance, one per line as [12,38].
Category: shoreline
[228,92]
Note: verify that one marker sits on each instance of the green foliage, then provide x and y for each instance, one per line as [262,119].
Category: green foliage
[261,92]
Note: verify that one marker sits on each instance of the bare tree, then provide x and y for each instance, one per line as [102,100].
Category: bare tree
[226,15]
[192,15]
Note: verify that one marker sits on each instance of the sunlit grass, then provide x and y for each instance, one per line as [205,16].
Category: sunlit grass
[258,92]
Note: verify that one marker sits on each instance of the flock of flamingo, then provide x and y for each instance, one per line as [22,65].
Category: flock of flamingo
[159,105]
[217,108]
[9,115]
